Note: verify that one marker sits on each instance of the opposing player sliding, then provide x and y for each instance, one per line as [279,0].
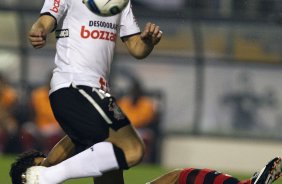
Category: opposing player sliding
[270,173]
[65,148]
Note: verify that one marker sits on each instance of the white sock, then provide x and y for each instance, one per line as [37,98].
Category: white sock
[89,163]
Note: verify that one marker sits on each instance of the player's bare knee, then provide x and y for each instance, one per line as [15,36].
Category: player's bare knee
[135,154]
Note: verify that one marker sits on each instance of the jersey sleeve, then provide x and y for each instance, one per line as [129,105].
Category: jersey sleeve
[128,25]
[55,8]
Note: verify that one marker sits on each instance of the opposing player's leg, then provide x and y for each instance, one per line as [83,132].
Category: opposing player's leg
[270,173]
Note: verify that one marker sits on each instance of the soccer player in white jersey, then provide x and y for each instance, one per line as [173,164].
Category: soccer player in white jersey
[79,94]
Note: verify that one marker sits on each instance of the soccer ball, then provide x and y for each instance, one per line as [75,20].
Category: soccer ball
[105,7]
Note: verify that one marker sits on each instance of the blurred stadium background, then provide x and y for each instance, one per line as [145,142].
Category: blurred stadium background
[215,78]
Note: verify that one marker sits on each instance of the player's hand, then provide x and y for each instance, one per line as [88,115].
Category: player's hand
[37,36]
[151,34]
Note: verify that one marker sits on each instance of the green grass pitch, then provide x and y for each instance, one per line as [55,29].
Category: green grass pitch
[137,175]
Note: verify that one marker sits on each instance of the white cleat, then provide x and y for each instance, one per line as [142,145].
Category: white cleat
[32,175]
[271,172]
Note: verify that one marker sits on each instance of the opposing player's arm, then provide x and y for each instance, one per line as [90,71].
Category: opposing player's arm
[40,29]
[141,45]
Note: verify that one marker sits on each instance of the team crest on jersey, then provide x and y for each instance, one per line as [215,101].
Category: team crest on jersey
[113,107]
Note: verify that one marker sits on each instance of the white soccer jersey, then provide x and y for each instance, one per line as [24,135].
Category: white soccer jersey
[86,42]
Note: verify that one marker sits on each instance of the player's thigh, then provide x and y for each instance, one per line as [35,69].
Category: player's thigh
[77,116]
[89,116]
[125,137]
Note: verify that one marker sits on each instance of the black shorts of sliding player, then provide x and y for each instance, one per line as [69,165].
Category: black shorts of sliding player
[86,114]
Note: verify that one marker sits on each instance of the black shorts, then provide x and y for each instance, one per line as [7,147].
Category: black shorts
[86,114]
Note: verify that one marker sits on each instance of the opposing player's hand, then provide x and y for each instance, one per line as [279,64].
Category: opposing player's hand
[37,37]
[151,34]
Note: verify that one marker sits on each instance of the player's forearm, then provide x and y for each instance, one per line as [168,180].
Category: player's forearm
[39,31]
[139,48]
[45,22]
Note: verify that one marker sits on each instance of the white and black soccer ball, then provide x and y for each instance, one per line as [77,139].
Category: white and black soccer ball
[105,7]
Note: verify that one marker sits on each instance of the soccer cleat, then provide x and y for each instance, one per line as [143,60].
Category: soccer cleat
[32,175]
[270,173]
